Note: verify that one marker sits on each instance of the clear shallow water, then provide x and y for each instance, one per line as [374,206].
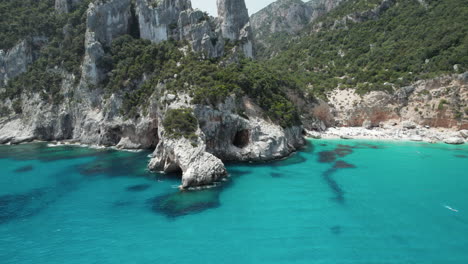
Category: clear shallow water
[335,202]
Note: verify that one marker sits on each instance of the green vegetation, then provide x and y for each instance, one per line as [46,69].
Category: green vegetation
[63,49]
[407,42]
[136,67]
[442,103]
[21,19]
[181,123]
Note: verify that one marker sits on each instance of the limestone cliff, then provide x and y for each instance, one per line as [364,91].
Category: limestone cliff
[89,114]
[15,61]
[158,20]
[235,24]
[169,19]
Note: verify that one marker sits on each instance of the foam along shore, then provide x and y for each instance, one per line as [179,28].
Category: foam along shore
[399,133]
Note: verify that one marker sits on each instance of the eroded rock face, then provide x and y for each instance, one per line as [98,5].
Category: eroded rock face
[106,20]
[198,167]
[195,27]
[15,61]
[235,24]
[224,135]
[262,140]
[287,17]
[158,20]
[438,102]
[66,6]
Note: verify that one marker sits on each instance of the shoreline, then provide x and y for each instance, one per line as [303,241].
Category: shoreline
[416,134]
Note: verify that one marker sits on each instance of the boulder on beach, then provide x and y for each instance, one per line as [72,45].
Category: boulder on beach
[367,124]
[408,125]
[454,140]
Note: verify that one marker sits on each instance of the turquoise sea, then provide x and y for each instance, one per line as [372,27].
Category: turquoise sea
[334,202]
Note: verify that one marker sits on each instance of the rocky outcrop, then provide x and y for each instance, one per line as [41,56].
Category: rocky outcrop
[175,19]
[106,20]
[235,25]
[198,167]
[195,26]
[66,6]
[236,138]
[286,18]
[158,20]
[355,17]
[439,102]
[223,135]
[15,61]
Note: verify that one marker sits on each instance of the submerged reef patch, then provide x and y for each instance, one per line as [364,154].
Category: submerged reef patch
[334,186]
[336,230]
[17,206]
[185,202]
[138,187]
[24,169]
[327,156]
[276,175]
[343,165]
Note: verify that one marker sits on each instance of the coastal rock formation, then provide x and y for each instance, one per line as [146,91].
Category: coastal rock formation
[198,167]
[223,135]
[15,61]
[233,137]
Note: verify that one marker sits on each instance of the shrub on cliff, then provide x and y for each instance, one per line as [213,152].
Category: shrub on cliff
[180,123]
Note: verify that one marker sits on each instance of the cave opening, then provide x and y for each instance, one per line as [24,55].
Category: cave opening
[241,139]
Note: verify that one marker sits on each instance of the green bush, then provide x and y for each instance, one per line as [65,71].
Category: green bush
[180,123]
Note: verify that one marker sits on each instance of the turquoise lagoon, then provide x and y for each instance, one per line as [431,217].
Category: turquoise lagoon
[334,202]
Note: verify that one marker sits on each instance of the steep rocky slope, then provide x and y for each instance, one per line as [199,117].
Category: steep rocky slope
[384,59]
[284,19]
[128,90]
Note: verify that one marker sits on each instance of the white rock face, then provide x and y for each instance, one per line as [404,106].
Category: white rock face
[195,27]
[235,23]
[454,140]
[156,21]
[223,135]
[408,125]
[198,166]
[233,17]
[15,61]
[106,20]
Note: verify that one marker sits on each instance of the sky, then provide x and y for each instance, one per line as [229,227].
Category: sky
[210,5]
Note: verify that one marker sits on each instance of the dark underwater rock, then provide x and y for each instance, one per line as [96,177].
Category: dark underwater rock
[24,169]
[138,188]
